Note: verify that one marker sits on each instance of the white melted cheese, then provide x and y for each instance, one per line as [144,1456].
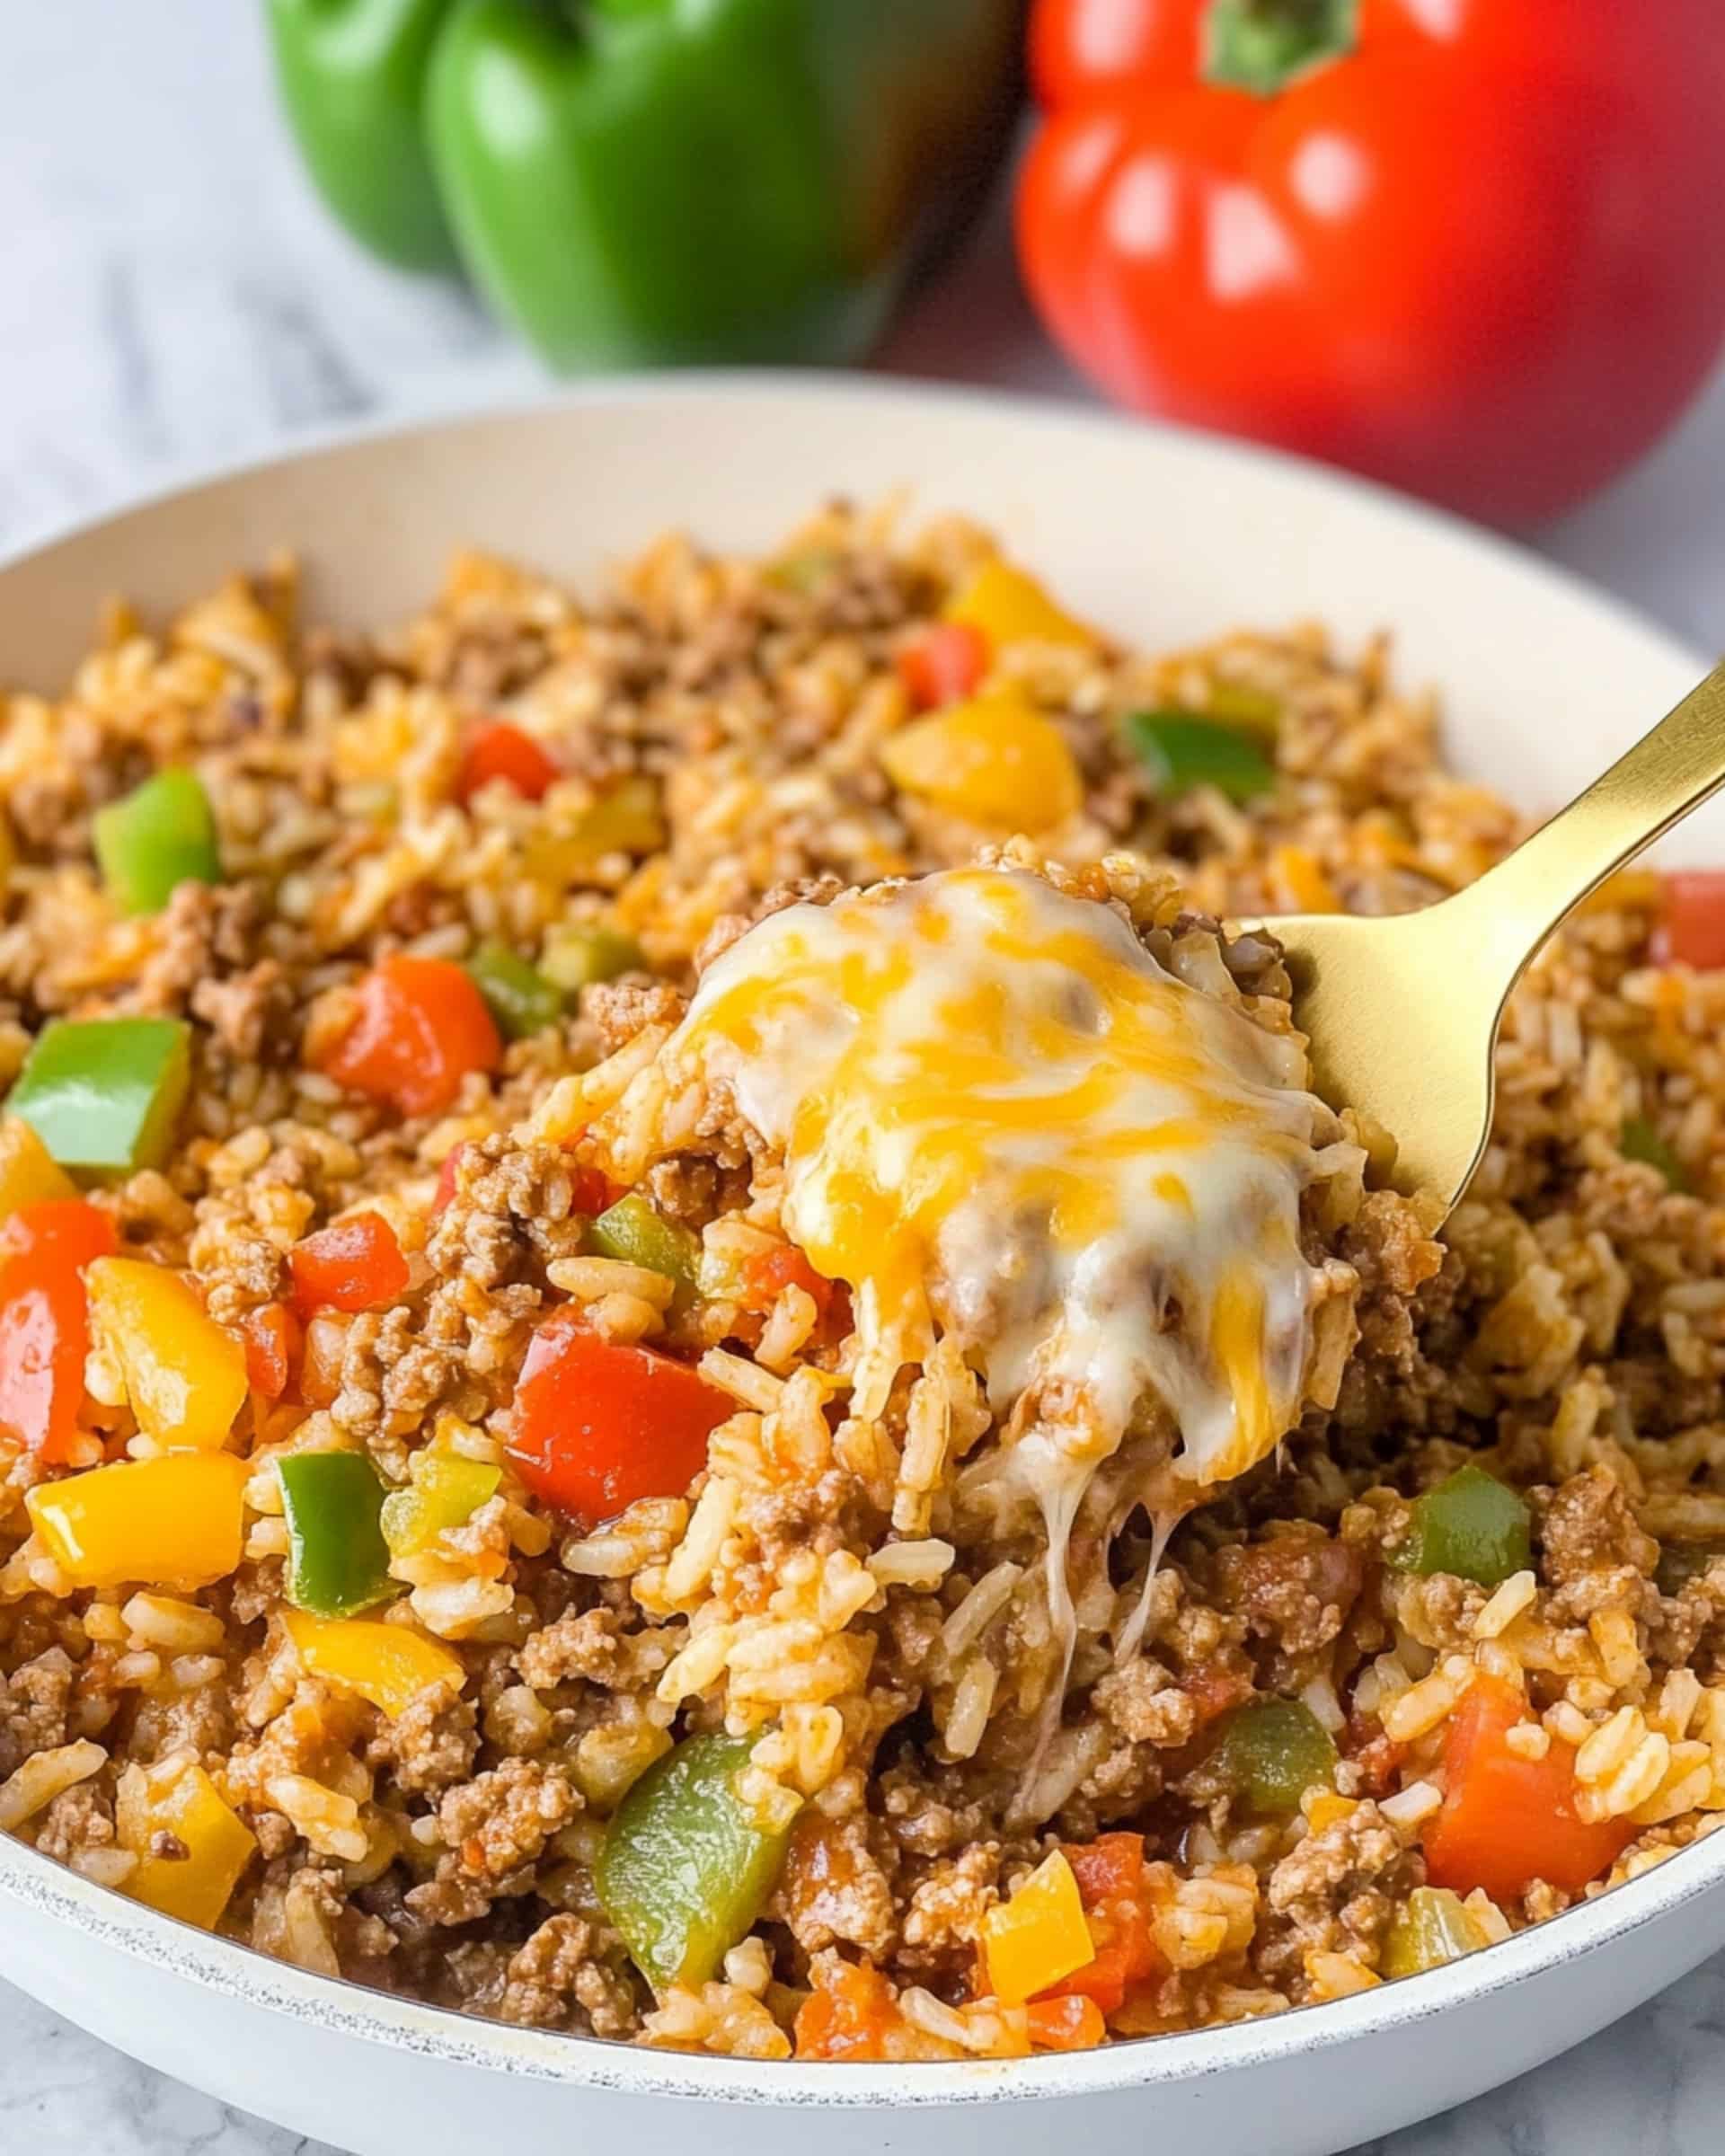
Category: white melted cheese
[1001,1119]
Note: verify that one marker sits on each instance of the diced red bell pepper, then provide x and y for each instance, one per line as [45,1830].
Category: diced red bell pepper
[1508,1821]
[354,1264]
[446,1176]
[502,751]
[420,1027]
[1213,1689]
[1111,1865]
[1691,928]
[1069,2022]
[943,664]
[273,1339]
[45,1320]
[769,1272]
[598,1424]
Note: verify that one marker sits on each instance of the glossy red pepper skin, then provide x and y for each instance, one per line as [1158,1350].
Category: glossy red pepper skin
[273,1339]
[1507,1820]
[45,1320]
[598,1425]
[500,751]
[1468,249]
[1691,927]
[943,664]
[420,1027]
[354,1264]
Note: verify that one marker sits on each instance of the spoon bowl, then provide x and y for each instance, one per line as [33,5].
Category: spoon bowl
[1401,1012]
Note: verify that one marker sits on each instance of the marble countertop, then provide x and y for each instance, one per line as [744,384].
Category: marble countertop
[174,298]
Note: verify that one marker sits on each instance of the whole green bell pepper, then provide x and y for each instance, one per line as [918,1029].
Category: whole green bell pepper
[657,181]
[352,78]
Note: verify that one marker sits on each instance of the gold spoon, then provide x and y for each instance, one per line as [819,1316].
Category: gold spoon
[1403,1010]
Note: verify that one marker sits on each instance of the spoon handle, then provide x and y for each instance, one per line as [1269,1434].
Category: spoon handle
[1667,772]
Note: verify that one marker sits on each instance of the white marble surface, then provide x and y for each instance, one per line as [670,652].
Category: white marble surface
[172,296]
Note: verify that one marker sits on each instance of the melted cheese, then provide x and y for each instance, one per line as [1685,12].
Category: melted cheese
[1001,1119]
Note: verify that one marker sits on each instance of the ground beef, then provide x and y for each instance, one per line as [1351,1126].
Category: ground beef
[834,1889]
[1586,1526]
[33,1704]
[503,1819]
[429,1745]
[1295,1589]
[77,1819]
[1145,1704]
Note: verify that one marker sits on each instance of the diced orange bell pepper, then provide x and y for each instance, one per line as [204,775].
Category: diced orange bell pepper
[184,1375]
[1032,1941]
[45,1320]
[597,1424]
[1010,607]
[353,1264]
[1067,2023]
[273,1341]
[996,760]
[321,1361]
[420,1027]
[180,1799]
[943,663]
[1507,1820]
[29,1172]
[176,1520]
[502,752]
[387,1664]
[852,2014]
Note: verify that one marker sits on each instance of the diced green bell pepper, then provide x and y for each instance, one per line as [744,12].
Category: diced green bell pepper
[518,996]
[1680,1562]
[1271,1753]
[636,1232]
[445,1492]
[1470,1524]
[103,1094]
[1431,1928]
[162,834]
[685,1869]
[576,956]
[1181,752]
[339,1560]
[1641,1141]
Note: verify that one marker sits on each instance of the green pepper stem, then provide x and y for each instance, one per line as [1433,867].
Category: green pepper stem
[1263,46]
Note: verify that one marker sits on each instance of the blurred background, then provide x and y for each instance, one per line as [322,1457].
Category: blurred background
[177,294]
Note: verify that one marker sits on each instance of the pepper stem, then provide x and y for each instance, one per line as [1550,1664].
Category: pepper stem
[1264,45]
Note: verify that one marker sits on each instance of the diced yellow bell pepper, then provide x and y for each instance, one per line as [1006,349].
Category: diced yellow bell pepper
[1010,607]
[27,1170]
[182,1800]
[385,1664]
[174,1520]
[184,1377]
[995,760]
[1039,1936]
[1299,872]
[445,1491]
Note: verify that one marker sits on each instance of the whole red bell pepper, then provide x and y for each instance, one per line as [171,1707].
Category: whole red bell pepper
[1467,246]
